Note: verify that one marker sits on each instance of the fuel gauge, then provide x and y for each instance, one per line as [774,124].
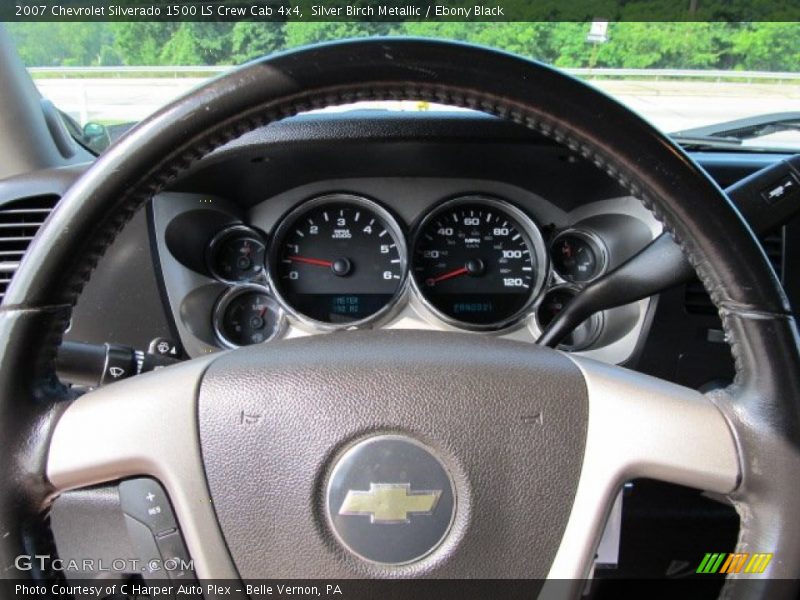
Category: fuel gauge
[247,315]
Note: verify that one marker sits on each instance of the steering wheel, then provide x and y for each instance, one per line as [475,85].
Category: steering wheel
[492,458]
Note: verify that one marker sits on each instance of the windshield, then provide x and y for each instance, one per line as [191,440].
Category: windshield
[680,76]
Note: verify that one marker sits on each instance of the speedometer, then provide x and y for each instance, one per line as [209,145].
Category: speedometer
[478,263]
[338,261]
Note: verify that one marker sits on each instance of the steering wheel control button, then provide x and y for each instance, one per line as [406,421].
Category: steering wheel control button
[146,551]
[176,558]
[145,500]
[390,500]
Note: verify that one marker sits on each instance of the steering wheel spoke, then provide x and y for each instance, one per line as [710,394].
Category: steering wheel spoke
[146,425]
[640,426]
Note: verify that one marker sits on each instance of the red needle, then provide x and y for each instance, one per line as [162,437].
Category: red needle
[311,261]
[448,275]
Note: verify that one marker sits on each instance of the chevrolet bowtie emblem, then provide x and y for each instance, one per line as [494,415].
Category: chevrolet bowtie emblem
[389,502]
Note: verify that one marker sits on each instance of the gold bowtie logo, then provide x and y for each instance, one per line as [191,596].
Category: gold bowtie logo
[389,502]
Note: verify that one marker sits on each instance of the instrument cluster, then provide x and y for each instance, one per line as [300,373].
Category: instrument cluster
[341,261]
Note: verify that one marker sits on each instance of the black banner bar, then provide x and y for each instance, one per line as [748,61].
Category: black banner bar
[695,586]
[399,10]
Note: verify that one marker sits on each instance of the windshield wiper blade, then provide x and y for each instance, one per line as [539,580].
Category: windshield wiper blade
[704,142]
[744,129]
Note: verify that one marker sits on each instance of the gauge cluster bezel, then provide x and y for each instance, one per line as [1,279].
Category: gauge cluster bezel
[193,291]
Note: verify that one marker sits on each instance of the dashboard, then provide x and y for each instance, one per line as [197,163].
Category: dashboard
[215,260]
[456,254]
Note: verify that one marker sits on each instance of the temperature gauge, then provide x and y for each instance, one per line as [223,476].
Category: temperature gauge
[247,315]
[236,254]
[578,256]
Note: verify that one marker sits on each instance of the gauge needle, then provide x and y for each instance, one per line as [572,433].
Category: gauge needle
[311,261]
[448,275]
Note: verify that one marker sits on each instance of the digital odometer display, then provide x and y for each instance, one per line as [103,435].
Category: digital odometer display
[340,260]
[478,262]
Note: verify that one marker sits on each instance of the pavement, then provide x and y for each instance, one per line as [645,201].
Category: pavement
[669,104]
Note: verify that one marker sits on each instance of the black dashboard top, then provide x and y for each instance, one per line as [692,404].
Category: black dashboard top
[314,147]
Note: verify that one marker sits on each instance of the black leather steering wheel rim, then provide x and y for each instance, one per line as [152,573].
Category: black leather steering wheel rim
[761,406]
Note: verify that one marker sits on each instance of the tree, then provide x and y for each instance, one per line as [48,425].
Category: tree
[662,45]
[767,46]
[666,44]
[302,34]
[250,40]
[198,43]
[141,43]
[62,44]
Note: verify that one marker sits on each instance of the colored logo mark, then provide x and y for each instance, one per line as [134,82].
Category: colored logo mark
[738,562]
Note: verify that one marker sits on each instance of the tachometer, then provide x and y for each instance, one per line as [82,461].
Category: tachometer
[338,261]
[478,262]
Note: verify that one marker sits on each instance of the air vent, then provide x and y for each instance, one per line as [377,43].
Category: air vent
[696,299]
[19,222]
[773,247]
